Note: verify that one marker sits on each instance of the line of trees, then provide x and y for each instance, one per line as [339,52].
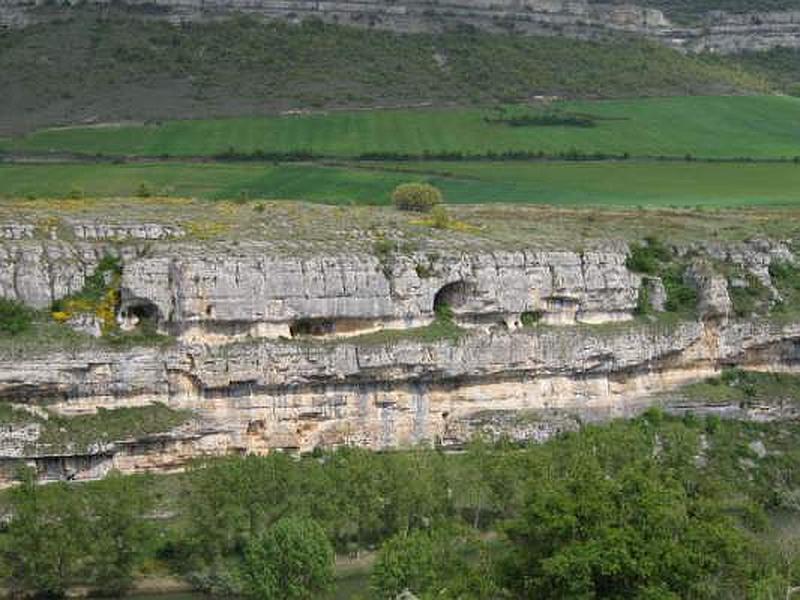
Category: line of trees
[655,508]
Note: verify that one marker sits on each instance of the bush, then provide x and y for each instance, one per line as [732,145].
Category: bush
[530,318]
[293,560]
[646,258]
[440,218]
[419,197]
[144,191]
[15,318]
[681,297]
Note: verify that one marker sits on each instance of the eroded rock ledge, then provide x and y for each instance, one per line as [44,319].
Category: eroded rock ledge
[265,395]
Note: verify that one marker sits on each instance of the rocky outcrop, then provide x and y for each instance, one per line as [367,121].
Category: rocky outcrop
[221,292]
[712,290]
[718,31]
[226,292]
[266,395]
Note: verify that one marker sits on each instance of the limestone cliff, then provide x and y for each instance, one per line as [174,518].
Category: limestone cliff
[278,350]
[720,32]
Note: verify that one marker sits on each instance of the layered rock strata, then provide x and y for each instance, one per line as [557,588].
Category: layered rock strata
[263,395]
[224,292]
[718,31]
[263,357]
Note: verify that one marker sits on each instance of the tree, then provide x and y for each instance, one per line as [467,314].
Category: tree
[293,560]
[120,529]
[349,497]
[405,562]
[47,538]
[447,562]
[234,499]
[418,197]
[612,518]
[415,489]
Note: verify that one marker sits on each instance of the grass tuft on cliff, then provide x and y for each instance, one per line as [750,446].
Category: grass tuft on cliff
[62,434]
[746,388]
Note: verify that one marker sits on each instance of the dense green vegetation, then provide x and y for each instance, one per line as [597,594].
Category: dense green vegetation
[781,65]
[61,536]
[657,507]
[707,126]
[746,388]
[655,259]
[15,318]
[121,68]
[293,560]
[627,183]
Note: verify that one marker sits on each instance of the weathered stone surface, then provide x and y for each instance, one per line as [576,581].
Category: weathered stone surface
[86,323]
[264,395]
[656,293]
[257,292]
[755,256]
[118,232]
[712,290]
[16,231]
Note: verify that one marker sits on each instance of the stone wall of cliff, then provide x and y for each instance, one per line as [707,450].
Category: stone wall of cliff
[263,352]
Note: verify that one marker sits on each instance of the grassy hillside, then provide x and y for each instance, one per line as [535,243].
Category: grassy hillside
[103,65]
[715,127]
[567,184]
[780,65]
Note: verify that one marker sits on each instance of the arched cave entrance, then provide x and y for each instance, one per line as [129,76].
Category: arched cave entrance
[140,313]
[452,297]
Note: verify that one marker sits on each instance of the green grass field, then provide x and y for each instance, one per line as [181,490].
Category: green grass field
[709,127]
[629,183]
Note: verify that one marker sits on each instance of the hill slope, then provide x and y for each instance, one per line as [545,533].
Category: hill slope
[108,67]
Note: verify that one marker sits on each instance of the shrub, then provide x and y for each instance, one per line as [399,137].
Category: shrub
[144,191]
[646,258]
[444,312]
[293,560]
[419,197]
[99,295]
[681,297]
[15,318]
[76,193]
[643,307]
[440,218]
[530,318]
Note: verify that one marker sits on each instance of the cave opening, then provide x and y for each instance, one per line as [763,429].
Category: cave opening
[140,314]
[452,296]
[315,327]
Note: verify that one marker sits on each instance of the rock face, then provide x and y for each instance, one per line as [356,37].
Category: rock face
[712,290]
[262,396]
[208,292]
[719,32]
[262,355]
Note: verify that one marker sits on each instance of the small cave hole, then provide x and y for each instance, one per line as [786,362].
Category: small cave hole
[140,314]
[318,327]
